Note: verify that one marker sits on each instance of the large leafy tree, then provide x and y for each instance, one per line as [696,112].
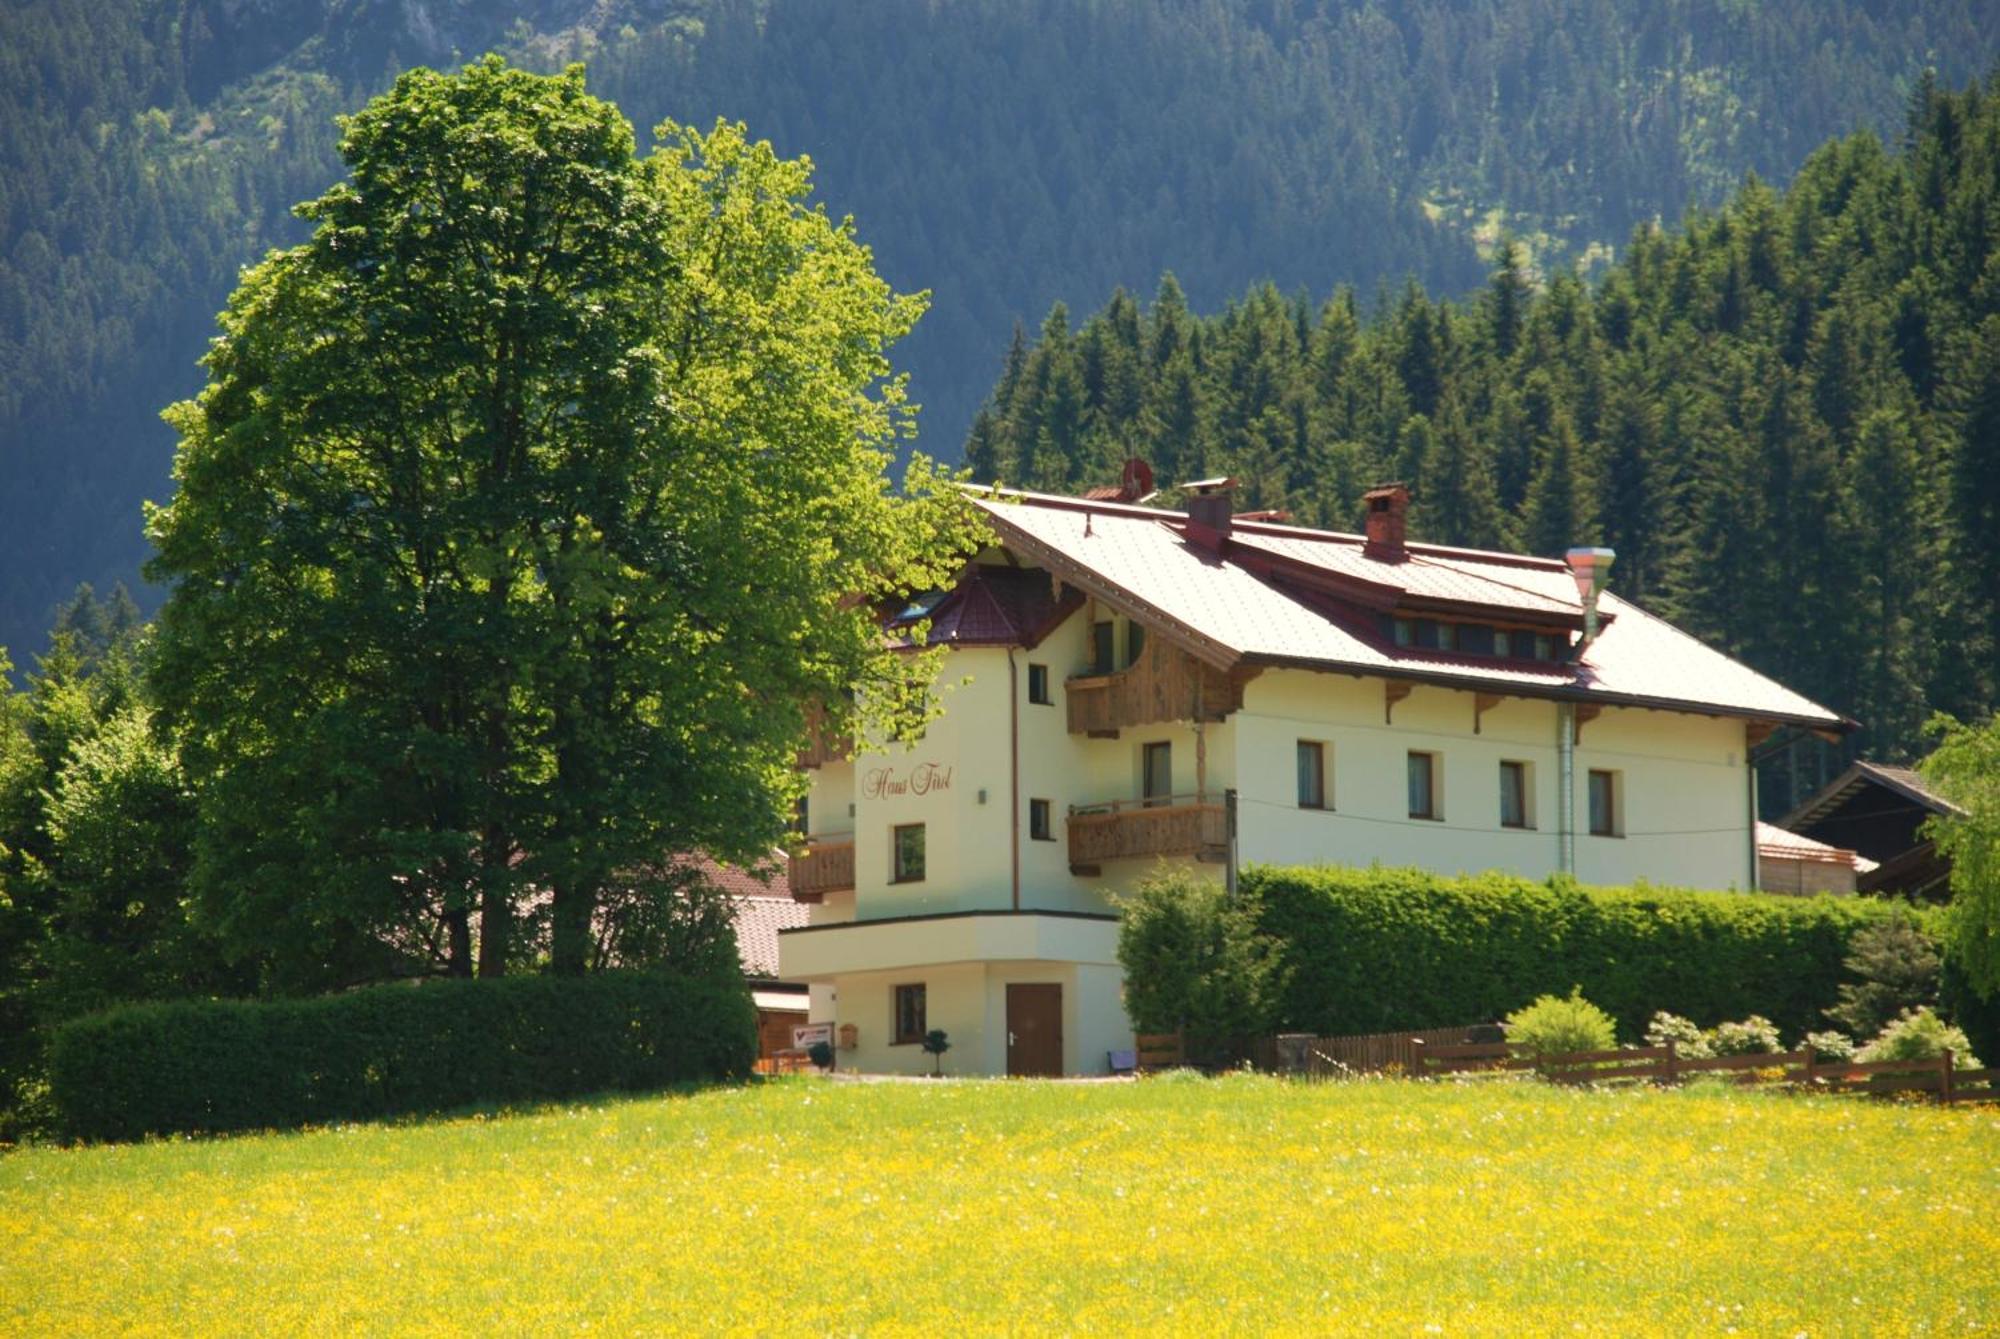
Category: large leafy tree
[528,503]
[1965,768]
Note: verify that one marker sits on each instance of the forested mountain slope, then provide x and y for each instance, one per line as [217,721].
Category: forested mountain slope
[1002,153]
[1784,415]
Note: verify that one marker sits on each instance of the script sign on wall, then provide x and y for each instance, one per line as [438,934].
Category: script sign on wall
[922,779]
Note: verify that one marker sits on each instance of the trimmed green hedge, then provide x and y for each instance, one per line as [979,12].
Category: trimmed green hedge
[212,1066]
[1382,950]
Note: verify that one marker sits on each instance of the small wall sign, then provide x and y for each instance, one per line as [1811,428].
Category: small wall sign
[805,1034]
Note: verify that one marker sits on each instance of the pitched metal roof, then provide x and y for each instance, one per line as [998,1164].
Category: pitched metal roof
[1232,606]
[997,606]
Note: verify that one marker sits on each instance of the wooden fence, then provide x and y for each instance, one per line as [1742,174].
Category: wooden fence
[1664,1064]
[1374,1052]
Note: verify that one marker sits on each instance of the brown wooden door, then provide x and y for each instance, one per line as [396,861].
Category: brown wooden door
[1034,1030]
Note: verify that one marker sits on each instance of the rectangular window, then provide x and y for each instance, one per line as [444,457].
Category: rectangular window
[1156,780]
[1423,785]
[1312,774]
[1405,631]
[1038,685]
[908,846]
[1135,642]
[802,817]
[1476,639]
[1038,821]
[1427,634]
[1514,795]
[909,1015]
[1102,643]
[1503,642]
[1605,820]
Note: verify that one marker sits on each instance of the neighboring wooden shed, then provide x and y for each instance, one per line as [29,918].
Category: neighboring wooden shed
[1800,866]
[1878,811]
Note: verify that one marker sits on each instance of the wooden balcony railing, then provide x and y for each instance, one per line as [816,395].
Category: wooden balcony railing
[1174,825]
[822,746]
[1164,684]
[825,865]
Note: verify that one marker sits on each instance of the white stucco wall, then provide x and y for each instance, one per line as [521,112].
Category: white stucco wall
[1686,814]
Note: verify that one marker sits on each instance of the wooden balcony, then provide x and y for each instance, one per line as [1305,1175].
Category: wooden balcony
[1176,825]
[1164,684]
[822,746]
[825,865]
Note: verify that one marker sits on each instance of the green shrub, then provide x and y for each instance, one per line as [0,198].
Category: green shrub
[1920,1035]
[1379,950]
[211,1066]
[1194,961]
[1895,967]
[1558,1026]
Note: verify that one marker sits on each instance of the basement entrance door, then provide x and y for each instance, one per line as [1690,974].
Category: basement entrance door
[1034,1030]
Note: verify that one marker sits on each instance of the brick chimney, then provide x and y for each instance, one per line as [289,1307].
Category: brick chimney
[1388,514]
[1209,504]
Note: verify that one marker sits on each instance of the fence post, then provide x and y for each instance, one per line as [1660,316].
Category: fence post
[1806,1066]
[1416,1057]
[1673,1062]
[1949,1058]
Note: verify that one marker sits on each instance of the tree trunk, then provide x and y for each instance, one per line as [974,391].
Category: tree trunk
[569,947]
[458,943]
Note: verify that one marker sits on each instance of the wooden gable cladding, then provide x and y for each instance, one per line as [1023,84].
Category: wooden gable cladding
[822,746]
[1164,684]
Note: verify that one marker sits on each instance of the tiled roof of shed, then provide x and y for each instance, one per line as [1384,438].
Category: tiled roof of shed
[758,920]
[1138,557]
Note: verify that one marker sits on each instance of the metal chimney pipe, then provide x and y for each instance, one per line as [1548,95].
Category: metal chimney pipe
[1591,569]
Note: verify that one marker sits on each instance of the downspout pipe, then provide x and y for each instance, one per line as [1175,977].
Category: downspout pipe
[1014,771]
[1566,786]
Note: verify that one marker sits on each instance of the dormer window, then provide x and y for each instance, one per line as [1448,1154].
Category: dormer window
[1473,639]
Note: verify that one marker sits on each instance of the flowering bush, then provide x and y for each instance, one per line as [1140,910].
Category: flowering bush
[1755,1035]
[1832,1046]
[1690,1042]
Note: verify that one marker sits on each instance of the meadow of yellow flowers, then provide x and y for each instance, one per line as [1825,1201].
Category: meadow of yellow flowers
[1239,1205]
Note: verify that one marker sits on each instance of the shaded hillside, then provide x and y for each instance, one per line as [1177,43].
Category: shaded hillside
[1784,415]
[1003,153]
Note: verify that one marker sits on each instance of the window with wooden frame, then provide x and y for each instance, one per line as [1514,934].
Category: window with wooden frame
[1038,686]
[1606,820]
[1156,774]
[1312,775]
[909,1021]
[906,846]
[1423,777]
[1039,826]
[1135,642]
[1103,647]
[1514,803]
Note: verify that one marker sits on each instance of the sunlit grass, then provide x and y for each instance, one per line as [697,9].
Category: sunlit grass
[1242,1206]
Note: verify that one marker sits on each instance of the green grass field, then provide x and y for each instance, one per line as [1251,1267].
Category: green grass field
[1240,1205]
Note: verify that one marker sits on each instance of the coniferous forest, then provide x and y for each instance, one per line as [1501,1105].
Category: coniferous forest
[1783,414]
[1003,154]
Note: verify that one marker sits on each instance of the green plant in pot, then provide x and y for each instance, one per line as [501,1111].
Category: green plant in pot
[936,1043]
